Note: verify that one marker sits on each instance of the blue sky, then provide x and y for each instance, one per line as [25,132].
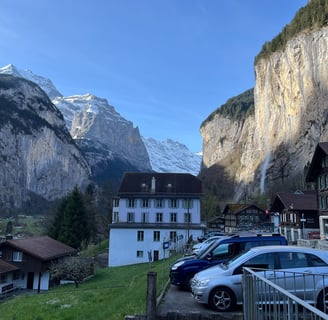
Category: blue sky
[165,65]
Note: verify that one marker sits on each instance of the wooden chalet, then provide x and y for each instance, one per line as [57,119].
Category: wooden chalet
[318,176]
[33,257]
[246,217]
[298,214]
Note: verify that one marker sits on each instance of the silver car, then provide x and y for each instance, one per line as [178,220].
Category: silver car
[198,247]
[221,286]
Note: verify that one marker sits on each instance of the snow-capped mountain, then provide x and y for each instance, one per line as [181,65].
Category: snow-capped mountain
[94,124]
[172,156]
[96,121]
[45,84]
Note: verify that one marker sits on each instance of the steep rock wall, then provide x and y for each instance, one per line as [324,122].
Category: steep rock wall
[291,109]
[37,153]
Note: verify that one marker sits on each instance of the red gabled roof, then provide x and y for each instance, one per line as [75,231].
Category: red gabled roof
[6,267]
[43,248]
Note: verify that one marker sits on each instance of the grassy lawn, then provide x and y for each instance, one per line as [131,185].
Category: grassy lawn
[111,294]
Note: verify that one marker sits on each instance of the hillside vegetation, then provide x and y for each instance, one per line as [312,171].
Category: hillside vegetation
[236,108]
[311,17]
[111,294]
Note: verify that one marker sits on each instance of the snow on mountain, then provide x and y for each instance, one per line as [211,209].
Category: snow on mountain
[45,84]
[165,156]
[172,156]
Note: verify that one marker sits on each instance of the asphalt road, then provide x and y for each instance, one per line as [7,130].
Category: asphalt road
[177,300]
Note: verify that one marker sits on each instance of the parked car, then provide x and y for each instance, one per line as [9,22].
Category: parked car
[221,286]
[200,246]
[221,250]
[210,234]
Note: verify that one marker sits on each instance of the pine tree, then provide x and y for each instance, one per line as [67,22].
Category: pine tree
[71,225]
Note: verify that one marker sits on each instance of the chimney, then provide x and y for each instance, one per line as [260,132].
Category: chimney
[153,185]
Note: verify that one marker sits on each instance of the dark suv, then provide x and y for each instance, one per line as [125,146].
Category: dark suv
[221,250]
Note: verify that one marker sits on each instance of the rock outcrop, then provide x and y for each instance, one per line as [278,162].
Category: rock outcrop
[37,154]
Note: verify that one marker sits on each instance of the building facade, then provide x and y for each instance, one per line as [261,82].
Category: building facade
[298,214]
[153,214]
[32,257]
[246,217]
[318,176]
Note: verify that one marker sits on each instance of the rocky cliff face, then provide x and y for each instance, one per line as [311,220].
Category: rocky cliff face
[37,153]
[94,120]
[291,110]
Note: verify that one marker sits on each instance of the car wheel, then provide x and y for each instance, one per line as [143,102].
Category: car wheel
[222,299]
[322,301]
[187,282]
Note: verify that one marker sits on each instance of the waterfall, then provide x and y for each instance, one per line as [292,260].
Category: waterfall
[267,152]
[264,168]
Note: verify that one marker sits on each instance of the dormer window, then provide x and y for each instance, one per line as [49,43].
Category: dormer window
[144,187]
[17,256]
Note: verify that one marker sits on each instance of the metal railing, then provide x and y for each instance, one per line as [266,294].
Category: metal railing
[279,295]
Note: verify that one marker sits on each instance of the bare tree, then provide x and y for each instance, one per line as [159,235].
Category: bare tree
[74,268]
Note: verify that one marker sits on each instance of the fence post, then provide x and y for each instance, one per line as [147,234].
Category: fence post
[151,296]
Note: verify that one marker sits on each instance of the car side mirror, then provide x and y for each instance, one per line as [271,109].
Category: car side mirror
[209,256]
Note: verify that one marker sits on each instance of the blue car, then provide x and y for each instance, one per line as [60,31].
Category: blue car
[221,250]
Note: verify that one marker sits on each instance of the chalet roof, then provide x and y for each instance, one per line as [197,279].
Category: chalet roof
[315,165]
[43,248]
[236,208]
[159,184]
[6,267]
[297,201]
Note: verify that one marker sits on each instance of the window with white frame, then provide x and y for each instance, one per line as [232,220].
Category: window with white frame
[159,217]
[173,217]
[17,256]
[139,254]
[140,235]
[173,203]
[157,236]
[145,203]
[131,203]
[130,216]
[187,217]
[187,203]
[159,203]
[144,217]
[116,202]
[116,216]
[173,236]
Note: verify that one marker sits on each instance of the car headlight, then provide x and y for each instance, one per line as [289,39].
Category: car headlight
[201,282]
[177,265]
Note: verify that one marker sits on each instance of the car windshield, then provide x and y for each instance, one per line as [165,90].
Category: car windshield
[238,259]
[203,253]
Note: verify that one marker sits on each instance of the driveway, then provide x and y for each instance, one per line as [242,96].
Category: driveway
[179,301]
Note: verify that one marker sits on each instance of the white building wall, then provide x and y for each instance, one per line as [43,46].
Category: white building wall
[123,210]
[123,244]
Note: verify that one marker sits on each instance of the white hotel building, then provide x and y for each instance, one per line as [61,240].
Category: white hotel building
[153,213]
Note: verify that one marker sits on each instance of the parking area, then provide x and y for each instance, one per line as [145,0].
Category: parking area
[179,301]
